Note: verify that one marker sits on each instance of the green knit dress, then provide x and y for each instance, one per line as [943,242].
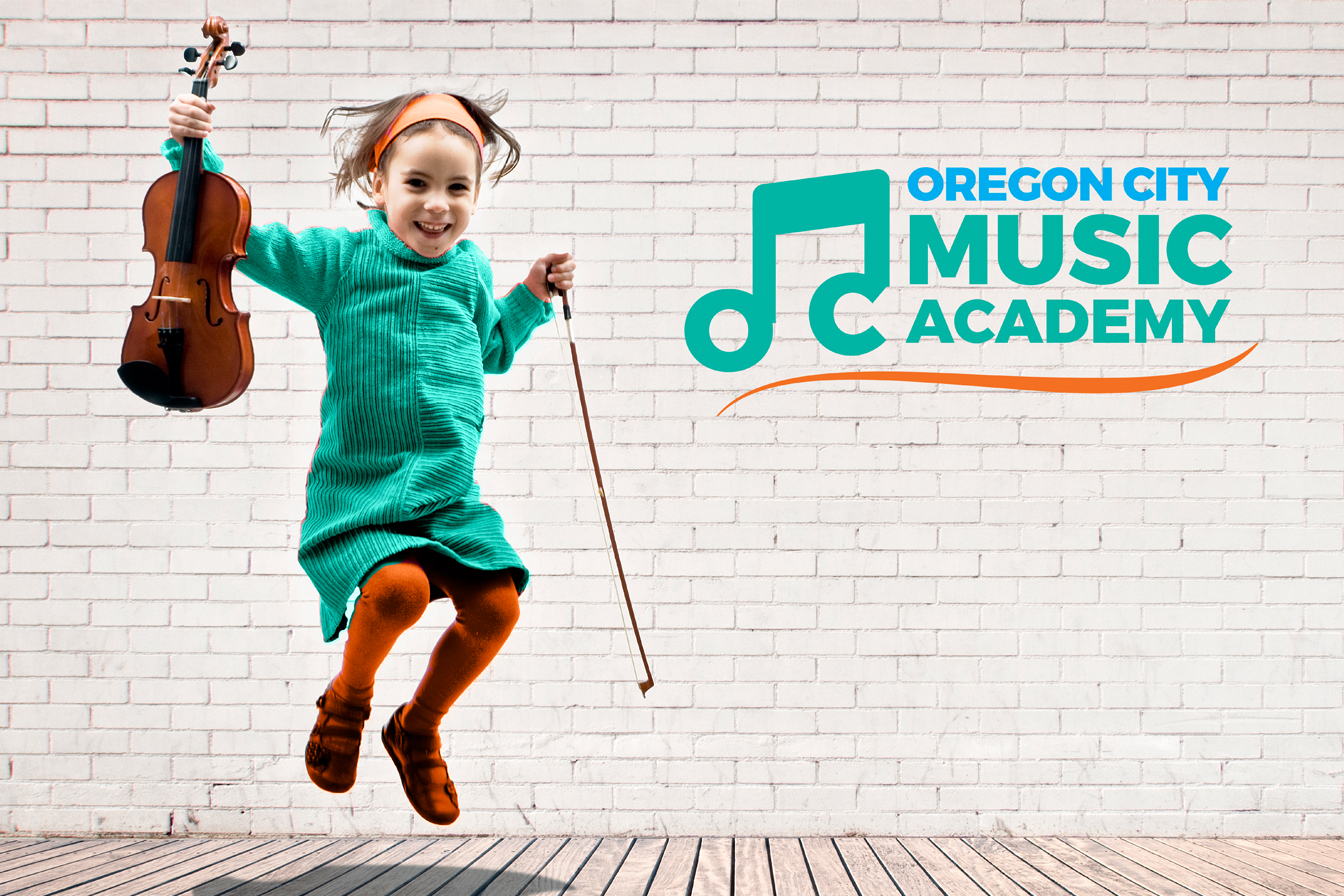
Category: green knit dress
[408,342]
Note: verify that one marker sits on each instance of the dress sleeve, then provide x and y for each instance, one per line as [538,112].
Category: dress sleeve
[303,267]
[210,160]
[506,324]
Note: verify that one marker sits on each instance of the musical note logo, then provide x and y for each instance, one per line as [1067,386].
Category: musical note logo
[795,206]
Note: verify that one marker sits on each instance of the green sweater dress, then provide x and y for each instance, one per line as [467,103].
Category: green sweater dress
[408,341]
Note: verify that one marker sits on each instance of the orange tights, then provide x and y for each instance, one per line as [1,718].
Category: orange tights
[394,598]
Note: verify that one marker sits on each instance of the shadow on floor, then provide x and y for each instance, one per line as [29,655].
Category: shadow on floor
[405,879]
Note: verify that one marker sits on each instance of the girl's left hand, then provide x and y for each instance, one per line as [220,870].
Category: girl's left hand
[557,269]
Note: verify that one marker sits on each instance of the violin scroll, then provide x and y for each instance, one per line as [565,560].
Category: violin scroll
[217,55]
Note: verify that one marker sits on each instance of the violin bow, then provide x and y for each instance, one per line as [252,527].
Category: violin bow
[647,683]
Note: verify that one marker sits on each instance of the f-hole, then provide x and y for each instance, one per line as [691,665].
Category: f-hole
[159,305]
[213,323]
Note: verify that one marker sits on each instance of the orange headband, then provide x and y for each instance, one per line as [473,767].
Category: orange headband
[429,107]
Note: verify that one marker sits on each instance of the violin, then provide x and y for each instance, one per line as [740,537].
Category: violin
[188,346]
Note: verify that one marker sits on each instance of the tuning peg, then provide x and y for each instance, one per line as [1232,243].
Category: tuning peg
[237,48]
[230,62]
[187,70]
[191,54]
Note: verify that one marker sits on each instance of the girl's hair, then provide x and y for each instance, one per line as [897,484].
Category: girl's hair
[354,148]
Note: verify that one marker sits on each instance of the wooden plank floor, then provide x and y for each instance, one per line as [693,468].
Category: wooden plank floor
[645,866]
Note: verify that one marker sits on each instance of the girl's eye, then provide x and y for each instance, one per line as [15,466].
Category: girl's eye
[415,182]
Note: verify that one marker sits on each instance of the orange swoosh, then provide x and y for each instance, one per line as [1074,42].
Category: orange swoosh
[1093,384]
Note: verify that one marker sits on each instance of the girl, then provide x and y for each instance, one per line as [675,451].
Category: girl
[410,324]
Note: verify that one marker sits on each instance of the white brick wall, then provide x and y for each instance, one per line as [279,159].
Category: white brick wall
[880,609]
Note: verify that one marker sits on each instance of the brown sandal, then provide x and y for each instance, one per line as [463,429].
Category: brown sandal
[333,747]
[424,776]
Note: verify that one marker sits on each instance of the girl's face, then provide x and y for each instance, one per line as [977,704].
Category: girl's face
[429,190]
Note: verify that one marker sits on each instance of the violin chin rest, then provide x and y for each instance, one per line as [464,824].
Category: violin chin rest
[149,381]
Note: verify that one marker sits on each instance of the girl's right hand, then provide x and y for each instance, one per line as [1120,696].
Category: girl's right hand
[189,116]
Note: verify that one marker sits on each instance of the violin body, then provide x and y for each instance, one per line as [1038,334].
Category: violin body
[188,347]
[216,362]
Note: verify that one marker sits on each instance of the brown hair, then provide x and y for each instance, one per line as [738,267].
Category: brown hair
[354,148]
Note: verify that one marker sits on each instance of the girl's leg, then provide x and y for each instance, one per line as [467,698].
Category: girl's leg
[487,609]
[390,602]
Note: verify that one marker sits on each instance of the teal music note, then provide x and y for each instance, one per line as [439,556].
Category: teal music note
[794,206]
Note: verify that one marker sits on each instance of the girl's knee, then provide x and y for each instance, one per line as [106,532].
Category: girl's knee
[494,608]
[397,593]
[506,609]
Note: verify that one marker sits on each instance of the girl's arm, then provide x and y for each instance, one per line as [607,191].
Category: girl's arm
[303,267]
[506,324]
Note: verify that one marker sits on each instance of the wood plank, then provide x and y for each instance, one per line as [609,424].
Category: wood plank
[71,851]
[200,869]
[489,868]
[8,843]
[274,874]
[559,872]
[1132,871]
[1237,883]
[524,869]
[171,873]
[829,875]
[297,852]
[944,872]
[636,872]
[393,880]
[480,873]
[1014,868]
[678,867]
[1089,867]
[714,868]
[34,850]
[1248,865]
[96,876]
[241,863]
[1331,846]
[1296,863]
[902,868]
[600,867]
[789,867]
[16,849]
[1192,880]
[979,869]
[751,866]
[864,868]
[1057,872]
[365,852]
[99,868]
[48,862]
[673,877]
[448,868]
[400,852]
[1316,850]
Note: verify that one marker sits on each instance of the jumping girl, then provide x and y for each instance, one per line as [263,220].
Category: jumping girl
[410,324]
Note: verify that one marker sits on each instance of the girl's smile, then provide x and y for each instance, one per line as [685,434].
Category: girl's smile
[428,188]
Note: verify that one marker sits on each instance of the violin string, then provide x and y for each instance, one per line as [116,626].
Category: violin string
[575,413]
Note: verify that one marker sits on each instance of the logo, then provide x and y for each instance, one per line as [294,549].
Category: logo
[864,198]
